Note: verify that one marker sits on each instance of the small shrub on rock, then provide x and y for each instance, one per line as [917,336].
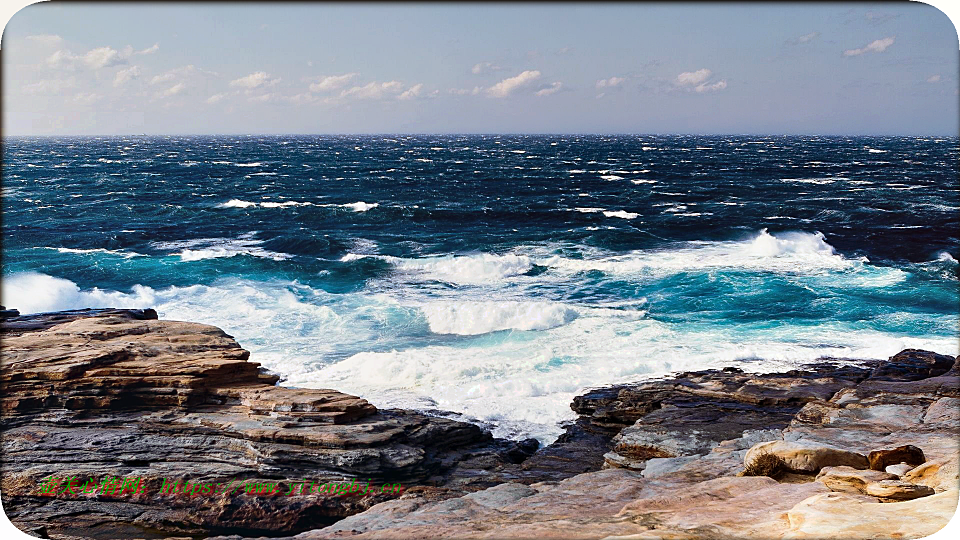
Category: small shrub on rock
[766,464]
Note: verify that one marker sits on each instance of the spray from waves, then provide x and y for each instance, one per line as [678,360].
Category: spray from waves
[474,318]
[32,292]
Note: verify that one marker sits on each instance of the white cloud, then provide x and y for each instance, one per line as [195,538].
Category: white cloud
[102,57]
[98,58]
[265,98]
[173,90]
[126,75]
[691,78]
[704,87]
[300,99]
[215,98]
[509,85]
[373,90]
[411,93]
[485,67]
[333,82]
[180,73]
[610,83]
[553,89]
[465,91]
[933,78]
[150,50]
[254,80]
[879,46]
[46,40]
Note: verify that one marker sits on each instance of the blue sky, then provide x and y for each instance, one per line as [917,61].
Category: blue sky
[544,68]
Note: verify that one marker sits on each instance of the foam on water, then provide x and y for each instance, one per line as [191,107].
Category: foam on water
[473,318]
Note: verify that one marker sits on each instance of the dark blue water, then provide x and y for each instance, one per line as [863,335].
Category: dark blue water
[498,275]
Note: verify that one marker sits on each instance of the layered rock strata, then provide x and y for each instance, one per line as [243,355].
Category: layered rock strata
[94,394]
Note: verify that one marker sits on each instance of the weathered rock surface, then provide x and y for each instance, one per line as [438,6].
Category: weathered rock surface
[97,393]
[897,490]
[844,516]
[850,480]
[909,454]
[806,456]
[692,489]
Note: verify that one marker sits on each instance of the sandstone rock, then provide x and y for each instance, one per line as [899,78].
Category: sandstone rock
[943,413]
[843,516]
[909,454]
[850,480]
[939,475]
[661,466]
[899,469]
[807,457]
[897,490]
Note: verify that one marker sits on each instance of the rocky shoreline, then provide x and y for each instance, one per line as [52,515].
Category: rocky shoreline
[864,451]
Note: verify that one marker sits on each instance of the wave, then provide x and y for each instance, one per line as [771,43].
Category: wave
[120,253]
[621,214]
[473,318]
[32,292]
[360,206]
[464,269]
[237,203]
[787,252]
[199,249]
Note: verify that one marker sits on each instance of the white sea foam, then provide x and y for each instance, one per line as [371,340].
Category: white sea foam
[120,253]
[360,206]
[473,318]
[237,203]
[621,214]
[272,204]
[611,177]
[199,249]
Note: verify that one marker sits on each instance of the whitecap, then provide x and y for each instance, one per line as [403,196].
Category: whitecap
[473,318]
[621,214]
[360,206]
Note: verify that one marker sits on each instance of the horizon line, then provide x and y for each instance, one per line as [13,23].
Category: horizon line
[500,134]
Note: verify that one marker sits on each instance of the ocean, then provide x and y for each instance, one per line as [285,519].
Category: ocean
[498,276]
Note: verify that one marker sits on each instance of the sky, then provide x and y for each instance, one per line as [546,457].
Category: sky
[189,68]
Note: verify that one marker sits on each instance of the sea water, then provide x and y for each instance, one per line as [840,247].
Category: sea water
[498,276]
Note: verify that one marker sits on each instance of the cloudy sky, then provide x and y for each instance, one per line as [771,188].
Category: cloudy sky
[548,68]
